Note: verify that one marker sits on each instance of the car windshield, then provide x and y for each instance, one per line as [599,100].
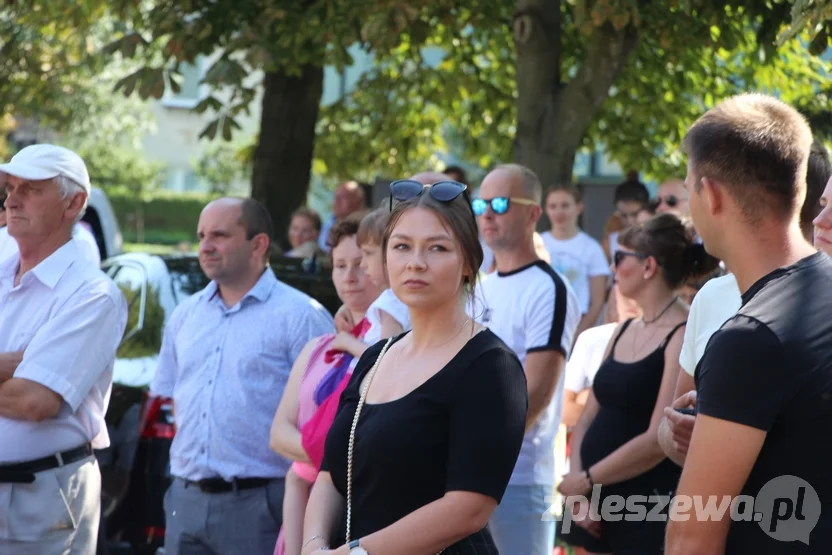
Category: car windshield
[186,277]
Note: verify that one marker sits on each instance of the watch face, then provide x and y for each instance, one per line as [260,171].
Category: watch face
[358,551]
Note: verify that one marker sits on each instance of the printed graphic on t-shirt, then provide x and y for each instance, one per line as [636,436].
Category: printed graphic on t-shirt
[570,267]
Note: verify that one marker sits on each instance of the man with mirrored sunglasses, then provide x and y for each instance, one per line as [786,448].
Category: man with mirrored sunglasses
[532,308]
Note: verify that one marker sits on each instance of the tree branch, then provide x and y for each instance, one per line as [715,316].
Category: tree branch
[537,37]
[584,95]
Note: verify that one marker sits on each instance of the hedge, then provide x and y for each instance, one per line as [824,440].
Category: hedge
[169,218]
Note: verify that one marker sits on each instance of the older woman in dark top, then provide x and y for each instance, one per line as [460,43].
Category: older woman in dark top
[429,429]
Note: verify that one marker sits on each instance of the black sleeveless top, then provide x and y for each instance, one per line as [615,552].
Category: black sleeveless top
[627,393]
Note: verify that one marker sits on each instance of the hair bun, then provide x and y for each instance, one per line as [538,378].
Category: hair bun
[696,262]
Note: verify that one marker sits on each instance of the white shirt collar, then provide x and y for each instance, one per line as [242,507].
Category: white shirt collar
[50,270]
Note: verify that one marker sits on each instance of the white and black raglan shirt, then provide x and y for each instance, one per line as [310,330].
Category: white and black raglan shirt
[532,308]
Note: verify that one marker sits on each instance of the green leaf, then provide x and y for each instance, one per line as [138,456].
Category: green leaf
[210,131]
[227,129]
[206,103]
[128,84]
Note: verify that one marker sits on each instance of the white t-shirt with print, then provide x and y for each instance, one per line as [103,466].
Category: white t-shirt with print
[579,259]
[587,356]
[718,300]
[531,309]
[389,303]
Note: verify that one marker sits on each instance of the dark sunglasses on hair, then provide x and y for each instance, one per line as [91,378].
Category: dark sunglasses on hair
[499,205]
[619,256]
[443,191]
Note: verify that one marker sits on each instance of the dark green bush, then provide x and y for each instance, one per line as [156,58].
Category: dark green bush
[168,218]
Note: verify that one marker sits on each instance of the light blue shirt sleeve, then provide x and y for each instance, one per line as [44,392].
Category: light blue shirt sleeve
[167,364]
[314,322]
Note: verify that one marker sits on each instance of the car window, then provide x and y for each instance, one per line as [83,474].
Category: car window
[187,278]
[145,316]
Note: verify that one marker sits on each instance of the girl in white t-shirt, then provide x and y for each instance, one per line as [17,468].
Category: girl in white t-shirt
[387,316]
[575,254]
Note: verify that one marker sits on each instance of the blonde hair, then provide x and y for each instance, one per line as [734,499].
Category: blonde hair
[372,226]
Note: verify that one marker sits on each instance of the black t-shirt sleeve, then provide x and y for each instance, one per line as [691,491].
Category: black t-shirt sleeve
[743,376]
[487,424]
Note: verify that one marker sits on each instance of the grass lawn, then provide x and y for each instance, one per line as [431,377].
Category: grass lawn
[149,248]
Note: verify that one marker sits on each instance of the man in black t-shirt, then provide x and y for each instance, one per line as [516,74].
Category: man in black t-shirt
[764,382]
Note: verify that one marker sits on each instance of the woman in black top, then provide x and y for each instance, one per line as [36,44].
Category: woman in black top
[444,409]
[615,442]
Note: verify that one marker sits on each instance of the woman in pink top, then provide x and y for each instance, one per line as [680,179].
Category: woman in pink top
[316,380]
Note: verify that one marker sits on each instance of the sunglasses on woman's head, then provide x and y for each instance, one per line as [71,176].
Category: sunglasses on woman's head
[443,191]
[619,256]
[499,205]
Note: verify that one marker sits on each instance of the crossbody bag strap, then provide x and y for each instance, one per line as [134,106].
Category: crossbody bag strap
[351,447]
[350,450]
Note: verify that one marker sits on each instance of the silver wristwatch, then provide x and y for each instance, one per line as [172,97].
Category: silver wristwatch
[356,549]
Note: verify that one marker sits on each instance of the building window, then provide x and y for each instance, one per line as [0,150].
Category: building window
[190,88]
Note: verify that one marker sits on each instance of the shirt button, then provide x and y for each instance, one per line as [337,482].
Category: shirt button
[217,350]
[204,415]
[210,382]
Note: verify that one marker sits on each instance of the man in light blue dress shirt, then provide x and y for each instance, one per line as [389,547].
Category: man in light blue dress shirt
[225,360]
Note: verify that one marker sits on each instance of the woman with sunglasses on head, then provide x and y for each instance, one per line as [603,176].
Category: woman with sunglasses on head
[615,442]
[429,429]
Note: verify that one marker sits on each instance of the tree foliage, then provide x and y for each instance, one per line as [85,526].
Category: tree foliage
[46,64]
[50,73]
[815,17]
[532,80]
[221,166]
[242,39]
[686,57]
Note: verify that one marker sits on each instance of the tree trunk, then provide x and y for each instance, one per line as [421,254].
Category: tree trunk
[553,117]
[283,159]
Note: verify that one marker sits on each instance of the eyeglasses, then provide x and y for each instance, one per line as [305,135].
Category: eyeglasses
[670,200]
[443,191]
[499,205]
[619,256]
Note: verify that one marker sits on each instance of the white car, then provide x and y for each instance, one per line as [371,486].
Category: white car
[102,222]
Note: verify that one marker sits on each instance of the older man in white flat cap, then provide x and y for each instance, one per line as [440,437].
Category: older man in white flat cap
[61,320]
[85,238]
